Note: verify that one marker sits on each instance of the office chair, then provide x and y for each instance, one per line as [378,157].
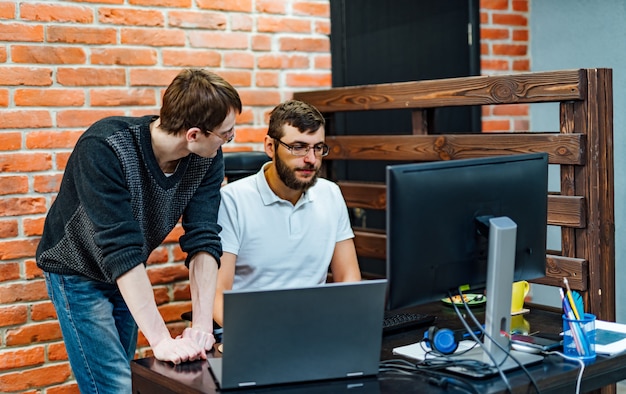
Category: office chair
[238,165]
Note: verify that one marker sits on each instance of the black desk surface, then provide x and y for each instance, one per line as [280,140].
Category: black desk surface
[553,375]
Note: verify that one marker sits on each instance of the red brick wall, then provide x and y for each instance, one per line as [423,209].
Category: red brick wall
[64,65]
[504,49]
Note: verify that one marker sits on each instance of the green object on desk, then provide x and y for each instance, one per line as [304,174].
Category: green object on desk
[471,299]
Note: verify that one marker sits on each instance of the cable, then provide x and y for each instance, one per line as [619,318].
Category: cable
[442,380]
[435,378]
[396,365]
[477,323]
[580,362]
[475,338]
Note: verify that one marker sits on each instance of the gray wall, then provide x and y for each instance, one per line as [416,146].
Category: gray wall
[568,34]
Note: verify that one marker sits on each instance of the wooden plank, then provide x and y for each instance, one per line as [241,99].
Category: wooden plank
[561,149]
[373,245]
[572,115]
[595,180]
[480,90]
[558,267]
[565,211]
[370,244]
[420,119]
[364,195]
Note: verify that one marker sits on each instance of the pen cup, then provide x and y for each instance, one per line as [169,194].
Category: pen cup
[579,337]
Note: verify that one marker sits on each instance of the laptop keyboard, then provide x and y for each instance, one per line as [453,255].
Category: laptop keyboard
[396,321]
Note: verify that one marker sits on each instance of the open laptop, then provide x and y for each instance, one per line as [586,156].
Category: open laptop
[306,334]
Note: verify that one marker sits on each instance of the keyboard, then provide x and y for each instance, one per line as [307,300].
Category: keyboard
[395,321]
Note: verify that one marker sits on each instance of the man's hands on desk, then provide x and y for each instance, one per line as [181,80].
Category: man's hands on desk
[191,345]
[204,339]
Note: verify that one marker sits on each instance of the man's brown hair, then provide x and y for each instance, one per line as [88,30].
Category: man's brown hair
[197,98]
[298,114]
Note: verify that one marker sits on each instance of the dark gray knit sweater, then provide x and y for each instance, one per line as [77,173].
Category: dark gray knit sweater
[115,205]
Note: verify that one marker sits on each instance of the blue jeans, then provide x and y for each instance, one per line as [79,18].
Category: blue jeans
[99,332]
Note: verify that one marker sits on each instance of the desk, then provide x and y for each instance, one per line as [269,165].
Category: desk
[151,376]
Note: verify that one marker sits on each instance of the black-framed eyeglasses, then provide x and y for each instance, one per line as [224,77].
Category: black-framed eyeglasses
[229,136]
[298,149]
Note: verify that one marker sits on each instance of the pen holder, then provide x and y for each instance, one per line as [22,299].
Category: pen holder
[579,337]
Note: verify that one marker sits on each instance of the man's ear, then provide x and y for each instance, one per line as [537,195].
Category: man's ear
[270,146]
[192,134]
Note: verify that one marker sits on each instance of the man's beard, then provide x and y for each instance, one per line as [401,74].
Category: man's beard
[288,176]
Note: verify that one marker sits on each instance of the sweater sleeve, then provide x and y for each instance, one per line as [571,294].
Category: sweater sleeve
[200,216]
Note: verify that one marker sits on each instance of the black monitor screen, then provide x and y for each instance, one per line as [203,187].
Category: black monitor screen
[436,240]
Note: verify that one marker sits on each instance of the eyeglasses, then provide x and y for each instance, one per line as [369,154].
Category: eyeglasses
[320,150]
[229,136]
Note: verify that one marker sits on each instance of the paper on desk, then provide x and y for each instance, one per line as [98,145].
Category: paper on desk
[610,337]
[416,351]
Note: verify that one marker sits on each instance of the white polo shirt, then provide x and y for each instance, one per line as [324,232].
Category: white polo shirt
[278,244]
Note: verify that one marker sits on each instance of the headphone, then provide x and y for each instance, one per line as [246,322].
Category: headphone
[443,340]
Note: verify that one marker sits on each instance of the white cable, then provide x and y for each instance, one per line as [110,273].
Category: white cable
[579,361]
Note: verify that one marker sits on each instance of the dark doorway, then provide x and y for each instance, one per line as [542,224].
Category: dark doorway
[377,41]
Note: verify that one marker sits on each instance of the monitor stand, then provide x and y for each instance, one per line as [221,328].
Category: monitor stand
[500,275]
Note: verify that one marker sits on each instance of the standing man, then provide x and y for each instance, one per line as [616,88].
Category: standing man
[284,226]
[126,185]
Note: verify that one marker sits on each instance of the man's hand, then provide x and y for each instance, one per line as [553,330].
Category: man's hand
[202,338]
[178,350]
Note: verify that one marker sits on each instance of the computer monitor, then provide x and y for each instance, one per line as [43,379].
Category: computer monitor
[469,223]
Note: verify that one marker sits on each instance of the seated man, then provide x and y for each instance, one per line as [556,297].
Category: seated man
[284,226]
